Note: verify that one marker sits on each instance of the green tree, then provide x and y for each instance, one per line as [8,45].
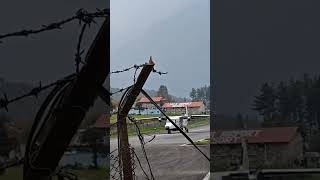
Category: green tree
[207,93]
[199,93]
[163,91]
[265,102]
[296,103]
[193,94]
[283,103]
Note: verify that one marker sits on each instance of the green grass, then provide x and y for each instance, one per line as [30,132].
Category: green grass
[12,173]
[16,173]
[143,130]
[203,142]
[198,122]
[158,129]
[113,118]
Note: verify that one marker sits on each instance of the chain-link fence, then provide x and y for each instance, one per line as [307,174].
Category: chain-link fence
[116,167]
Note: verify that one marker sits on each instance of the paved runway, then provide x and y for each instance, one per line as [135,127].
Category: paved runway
[170,157]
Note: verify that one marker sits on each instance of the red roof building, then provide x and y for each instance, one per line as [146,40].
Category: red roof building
[145,103]
[195,104]
[102,122]
[263,135]
[275,147]
[155,99]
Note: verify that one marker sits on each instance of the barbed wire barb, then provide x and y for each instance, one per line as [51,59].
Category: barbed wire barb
[81,15]
[4,101]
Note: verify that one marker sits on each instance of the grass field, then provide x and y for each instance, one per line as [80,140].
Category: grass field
[160,128]
[16,173]
[113,118]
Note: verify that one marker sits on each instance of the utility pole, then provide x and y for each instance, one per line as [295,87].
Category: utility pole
[124,109]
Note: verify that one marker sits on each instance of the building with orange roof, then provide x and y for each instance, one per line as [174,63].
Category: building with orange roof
[274,147]
[144,102]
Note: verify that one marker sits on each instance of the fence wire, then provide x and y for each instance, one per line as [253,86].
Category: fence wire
[85,20]
[116,167]
[82,15]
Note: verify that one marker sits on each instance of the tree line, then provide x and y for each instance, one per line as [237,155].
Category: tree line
[202,93]
[295,102]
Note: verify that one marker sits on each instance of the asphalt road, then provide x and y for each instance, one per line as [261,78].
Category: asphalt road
[170,157]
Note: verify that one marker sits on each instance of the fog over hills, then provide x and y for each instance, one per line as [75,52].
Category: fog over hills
[261,41]
[179,44]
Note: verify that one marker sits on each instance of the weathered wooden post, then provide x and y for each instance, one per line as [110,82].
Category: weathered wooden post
[124,109]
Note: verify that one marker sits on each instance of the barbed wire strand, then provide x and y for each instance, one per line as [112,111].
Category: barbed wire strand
[144,172]
[81,15]
[79,52]
[136,67]
[120,90]
[142,143]
[4,102]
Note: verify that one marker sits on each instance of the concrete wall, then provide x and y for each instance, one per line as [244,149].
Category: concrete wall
[145,111]
[182,110]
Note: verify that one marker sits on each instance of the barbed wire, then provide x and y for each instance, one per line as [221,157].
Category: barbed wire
[114,165]
[136,67]
[134,75]
[84,18]
[127,69]
[158,72]
[142,143]
[79,52]
[116,168]
[120,90]
[4,101]
[82,15]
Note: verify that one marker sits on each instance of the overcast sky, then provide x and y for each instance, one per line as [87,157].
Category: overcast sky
[261,41]
[176,33]
[49,55]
